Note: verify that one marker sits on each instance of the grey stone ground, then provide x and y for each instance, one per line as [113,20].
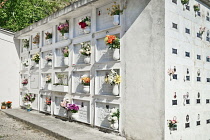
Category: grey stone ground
[11,129]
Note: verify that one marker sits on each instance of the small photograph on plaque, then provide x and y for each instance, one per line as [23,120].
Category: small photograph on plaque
[188,101]
[175,76]
[174,102]
[198,101]
[198,123]
[187,125]
[198,79]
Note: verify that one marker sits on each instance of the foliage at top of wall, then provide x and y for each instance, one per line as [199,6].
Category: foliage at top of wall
[18,14]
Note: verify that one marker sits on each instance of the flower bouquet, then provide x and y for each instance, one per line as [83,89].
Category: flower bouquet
[48,38]
[86,82]
[85,24]
[3,105]
[114,43]
[171,73]
[113,118]
[64,102]
[48,101]
[36,58]
[48,79]
[113,79]
[172,124]
[25,82]
[115,11]
[66,55]
[196,8]
[36,39]
[63,28]
[86,51]
[48,58]
[26,43]
[29,98]
[72,108]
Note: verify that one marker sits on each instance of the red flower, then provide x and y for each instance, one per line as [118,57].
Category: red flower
[83,25]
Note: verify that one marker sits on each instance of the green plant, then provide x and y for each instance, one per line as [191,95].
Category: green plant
[3,103]
[48,35]
[36,58]
[184,2]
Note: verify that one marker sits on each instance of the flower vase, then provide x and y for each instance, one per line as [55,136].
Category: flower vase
[28,110]
[48,41]
[116,20]
[66,61]
[86,89]
[87,30]
[49,63]
[115,90]
[72,116]
[65,36]
[115,125]
[116,54]
[36,64]
[87,60]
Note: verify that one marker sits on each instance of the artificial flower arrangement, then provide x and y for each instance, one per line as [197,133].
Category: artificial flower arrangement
[25,81]
[172,124]
[85,22]
[113,78]
[85,49]
[25,43]
[9,104]
[72,108]
[65,52]
[36,39]
[202,30]
[85,81]
[48,35]
[48,101]
[113,117]
[112,41]
[64,102]
[29,98]
[48,57]
[35,58]
[48,79]
[63,28]
[115,10]
[25,63]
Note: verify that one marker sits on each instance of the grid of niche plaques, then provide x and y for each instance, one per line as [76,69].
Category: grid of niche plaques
[102,113]
[47,58]
[78,58]
[77,86]
[60,82]
[44,107]
[103,53]
[101,86]
[59,58]
[46,81]
[83,114]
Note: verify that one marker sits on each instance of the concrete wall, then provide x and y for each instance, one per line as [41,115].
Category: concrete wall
[144,51]
[9,69]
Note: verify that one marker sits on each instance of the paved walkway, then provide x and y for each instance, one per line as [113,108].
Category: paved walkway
[63,130]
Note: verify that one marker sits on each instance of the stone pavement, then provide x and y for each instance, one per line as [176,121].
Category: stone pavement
[63,130]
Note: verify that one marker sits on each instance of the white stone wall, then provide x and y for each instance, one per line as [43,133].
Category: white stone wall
[183,42]
[9,69]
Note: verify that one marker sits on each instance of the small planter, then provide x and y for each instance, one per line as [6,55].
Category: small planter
[66,61]
[116,20]
[115,90]
[87,60]
[48,41]
[116,54]
[60,88]
[73,116]
[86,89]
[65,36]
[3,107]
[87,30]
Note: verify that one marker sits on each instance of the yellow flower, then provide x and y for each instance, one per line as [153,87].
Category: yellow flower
[117,79]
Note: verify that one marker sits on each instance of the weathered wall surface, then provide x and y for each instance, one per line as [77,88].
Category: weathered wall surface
[9,69]
[144,51]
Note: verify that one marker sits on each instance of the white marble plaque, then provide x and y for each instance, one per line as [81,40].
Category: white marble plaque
[77,86]
[103,54]
[58,110]
[78,58]
[83,114]
[34,81]
[35,102]
[102,114]
[59,58]
[103,20]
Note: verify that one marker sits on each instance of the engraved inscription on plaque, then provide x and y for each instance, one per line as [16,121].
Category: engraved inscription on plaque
[34,81]
[102,114]
[84,111]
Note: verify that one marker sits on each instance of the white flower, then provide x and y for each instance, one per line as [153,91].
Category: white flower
[88,23]
[115,118]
